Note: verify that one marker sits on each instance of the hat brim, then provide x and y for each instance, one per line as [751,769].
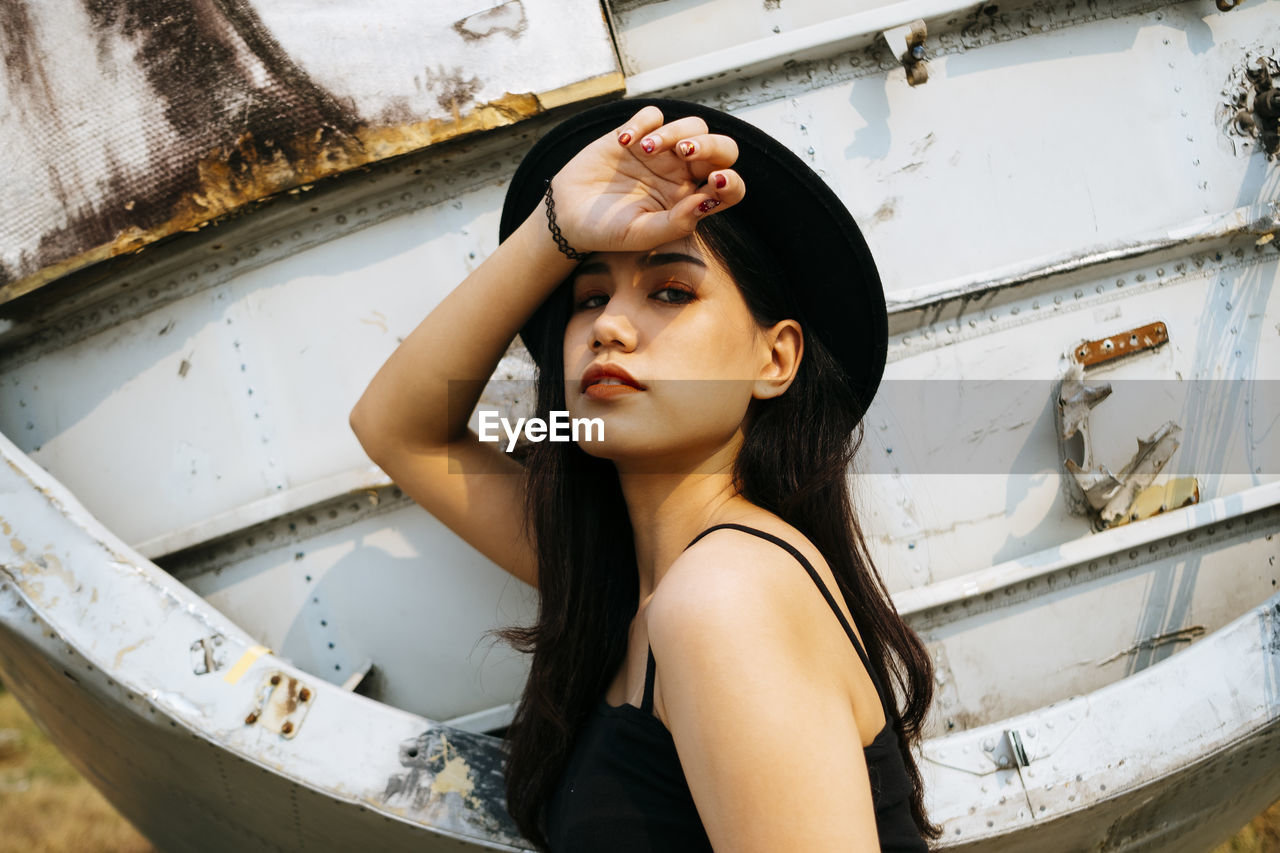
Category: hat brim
[788,206]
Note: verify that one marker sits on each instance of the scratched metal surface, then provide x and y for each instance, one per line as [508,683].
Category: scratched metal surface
[130,122]
[1067,173]
[1142,763]
[95,641]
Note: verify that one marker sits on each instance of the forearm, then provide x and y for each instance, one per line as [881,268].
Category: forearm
[457,346]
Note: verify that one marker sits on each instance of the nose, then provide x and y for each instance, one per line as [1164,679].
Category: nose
[612,327]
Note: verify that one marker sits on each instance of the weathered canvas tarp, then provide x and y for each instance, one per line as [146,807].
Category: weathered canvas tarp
[124,121]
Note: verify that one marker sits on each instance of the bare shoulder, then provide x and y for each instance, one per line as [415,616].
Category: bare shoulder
[746,646]
[736,594]
[722,573]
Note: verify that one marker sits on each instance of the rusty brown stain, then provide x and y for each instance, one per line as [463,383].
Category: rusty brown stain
[218,73]
[455,91]
[1121,344]
[22,62]
[231,177]
[508,18]
[192,57]
[264,133]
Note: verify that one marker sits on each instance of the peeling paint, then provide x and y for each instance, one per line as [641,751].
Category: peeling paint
[443,765]
[124,651]
[455,775]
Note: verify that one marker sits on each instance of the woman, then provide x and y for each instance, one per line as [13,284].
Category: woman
[684,278]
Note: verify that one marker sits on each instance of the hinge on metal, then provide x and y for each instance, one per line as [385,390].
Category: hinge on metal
[907,44]
[1008,752]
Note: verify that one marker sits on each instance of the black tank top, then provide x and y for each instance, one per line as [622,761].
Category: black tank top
[623,789]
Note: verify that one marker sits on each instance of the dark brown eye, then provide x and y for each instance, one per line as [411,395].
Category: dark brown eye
[592,300]
[675,294]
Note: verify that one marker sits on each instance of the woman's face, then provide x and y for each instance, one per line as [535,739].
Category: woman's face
[681,354]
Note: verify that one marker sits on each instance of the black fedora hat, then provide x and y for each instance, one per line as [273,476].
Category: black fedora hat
[787,207]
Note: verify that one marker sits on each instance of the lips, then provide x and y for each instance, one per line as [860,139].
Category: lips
[608,380]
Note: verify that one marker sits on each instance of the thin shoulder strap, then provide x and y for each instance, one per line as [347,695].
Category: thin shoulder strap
[808,567]
[646,704]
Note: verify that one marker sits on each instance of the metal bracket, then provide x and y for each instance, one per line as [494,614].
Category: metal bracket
[1113,499]
[907,44]
[281,704]
[1008,751]
[208,654]
[1112,347]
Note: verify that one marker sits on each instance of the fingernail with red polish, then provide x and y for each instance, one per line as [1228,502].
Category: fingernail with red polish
[648,144]
[721,182]
[687,148]
[709,204]
[624,138]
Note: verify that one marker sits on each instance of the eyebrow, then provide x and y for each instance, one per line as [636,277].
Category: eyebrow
[658,259]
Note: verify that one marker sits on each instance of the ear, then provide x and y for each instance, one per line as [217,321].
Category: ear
[781,348]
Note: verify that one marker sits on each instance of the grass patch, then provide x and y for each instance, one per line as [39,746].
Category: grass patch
[1262,835]
[45,805]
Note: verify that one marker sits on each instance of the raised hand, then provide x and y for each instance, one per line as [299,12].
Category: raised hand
[645,184]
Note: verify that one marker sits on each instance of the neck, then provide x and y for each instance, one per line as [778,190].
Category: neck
[670,504]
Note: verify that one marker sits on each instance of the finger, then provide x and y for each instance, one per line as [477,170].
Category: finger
[663,138]
[684,217]
[715,150]
[725,186]
[646,120]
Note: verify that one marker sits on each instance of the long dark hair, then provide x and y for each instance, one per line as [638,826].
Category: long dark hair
[587,576]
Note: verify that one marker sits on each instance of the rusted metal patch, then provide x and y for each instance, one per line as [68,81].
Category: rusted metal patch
[1251,113]
[281,705]
[1121,344]
[907,44]
[507,18]
[216,111]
